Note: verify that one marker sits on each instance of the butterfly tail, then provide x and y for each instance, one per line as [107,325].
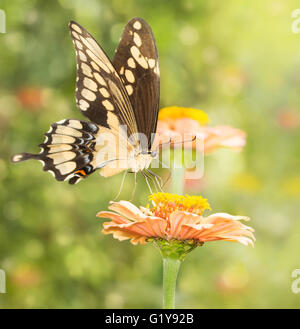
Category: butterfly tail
[19,157]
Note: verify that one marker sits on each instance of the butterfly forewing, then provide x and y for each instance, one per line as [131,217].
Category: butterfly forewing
[136,61]
[100,93]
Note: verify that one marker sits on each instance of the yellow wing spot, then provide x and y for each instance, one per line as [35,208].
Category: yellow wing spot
[151,62]
[75,35]
[100,79]
[129,89]
[93,44]
[83,105]
[90,84]
[112,120]
[62,157]
[137,40]
[66,167]
[76,28]
[62,139]
[86,70]
[54,148]
[82,56]
[78,44]
[108,105]
[104,92]
[136,54]
[98,61]
[65,130]
[129,76]
[137,25]
[131,63]
[95,66]
[75,124]
[89,95]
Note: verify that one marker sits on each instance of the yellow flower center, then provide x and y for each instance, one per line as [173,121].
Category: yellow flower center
[166,203]
[176,112]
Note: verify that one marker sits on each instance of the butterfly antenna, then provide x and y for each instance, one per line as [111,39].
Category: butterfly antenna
[170,141]
[122,184]
[182,142]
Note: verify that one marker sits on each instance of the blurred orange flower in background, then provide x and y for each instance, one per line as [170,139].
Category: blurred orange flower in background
[26,275]
[288,118]
[173,217]
[31,97]
[175,122]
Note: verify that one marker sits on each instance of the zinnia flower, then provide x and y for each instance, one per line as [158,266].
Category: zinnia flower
[173,218]
[176,226]
[174,122]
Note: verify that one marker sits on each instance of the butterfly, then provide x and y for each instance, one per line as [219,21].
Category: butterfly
[121,100]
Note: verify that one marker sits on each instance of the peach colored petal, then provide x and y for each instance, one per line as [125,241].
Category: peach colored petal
[222,216]
[213,137]
[123,235]
[157,226]
[127,209]
[191,231]
[186,126]
[113,216]
[148,228]
[178,218]
[223,136]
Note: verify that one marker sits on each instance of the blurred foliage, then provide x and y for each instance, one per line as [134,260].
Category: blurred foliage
[237,61]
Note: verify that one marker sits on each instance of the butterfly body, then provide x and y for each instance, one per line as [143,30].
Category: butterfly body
[121,100]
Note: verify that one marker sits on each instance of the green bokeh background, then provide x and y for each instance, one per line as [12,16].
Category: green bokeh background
[240,62]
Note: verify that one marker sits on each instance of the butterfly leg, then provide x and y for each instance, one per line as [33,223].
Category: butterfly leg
[157,178]
[151,177]
[122,185]
[146,178]
[134,189]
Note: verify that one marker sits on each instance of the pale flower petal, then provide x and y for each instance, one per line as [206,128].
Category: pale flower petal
[127,209]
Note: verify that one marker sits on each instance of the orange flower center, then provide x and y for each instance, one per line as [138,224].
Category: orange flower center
[166,203]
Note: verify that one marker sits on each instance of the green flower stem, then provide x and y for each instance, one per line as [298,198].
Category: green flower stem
[170,270]
[173,253]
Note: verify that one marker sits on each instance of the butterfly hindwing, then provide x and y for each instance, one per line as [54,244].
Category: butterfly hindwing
[136,61]
[100,93]
[69,147]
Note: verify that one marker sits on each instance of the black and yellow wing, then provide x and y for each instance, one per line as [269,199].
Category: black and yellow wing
[100,92]
[71,149]
[136,61]
[68,150]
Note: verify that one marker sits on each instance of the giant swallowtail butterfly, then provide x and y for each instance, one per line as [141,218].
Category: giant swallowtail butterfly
[121,100]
